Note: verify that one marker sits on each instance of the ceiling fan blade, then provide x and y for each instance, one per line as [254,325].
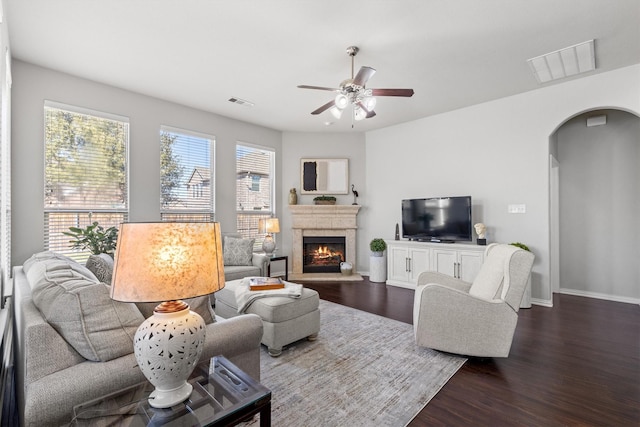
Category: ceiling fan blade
[392,92]
[324,108]
[330,89]
[364,74]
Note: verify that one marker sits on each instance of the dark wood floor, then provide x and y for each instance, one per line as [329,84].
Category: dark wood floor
[576,364]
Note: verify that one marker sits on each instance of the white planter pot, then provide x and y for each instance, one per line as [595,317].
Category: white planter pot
[378,269]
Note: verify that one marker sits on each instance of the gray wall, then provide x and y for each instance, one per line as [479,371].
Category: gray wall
[33,85]
[497,152]
[599,205]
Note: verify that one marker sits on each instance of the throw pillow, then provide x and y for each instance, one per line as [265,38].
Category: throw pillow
[201,305]
[238,251]
[80,308]
[101,266]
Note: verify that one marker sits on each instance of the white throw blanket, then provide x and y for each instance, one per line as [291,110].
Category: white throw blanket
[245,297]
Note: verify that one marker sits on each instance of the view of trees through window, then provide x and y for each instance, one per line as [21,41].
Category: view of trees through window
[85,173]
[186,184]
[255,170]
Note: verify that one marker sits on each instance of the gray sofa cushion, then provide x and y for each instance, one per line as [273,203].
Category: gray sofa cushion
[78,306]
[101,266]
[238,251]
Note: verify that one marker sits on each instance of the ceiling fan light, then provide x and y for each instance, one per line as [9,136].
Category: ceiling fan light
[359,113]
[337,113]
[341,101]
[369,103]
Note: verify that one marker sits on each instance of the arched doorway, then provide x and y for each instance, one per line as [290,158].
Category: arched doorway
[594,203]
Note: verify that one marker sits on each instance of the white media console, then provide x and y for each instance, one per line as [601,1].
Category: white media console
[407,259]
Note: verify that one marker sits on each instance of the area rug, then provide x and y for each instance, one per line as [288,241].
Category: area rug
[363,370]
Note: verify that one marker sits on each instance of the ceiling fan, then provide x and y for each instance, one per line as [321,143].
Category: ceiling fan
[353,92]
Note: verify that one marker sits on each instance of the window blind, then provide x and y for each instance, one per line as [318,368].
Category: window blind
[255,188]
[186,175]
[86,173]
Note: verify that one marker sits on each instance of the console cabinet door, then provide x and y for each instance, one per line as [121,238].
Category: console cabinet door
[462,265]
[398,263]
[418,262]
[469,264]
[444,261]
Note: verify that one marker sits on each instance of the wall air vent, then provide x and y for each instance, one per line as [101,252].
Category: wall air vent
[572,60]
[241,101]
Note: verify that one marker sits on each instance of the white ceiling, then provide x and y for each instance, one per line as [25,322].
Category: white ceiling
[202,52]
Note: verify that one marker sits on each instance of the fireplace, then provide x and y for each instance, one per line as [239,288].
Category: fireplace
[322,254]
[327,222]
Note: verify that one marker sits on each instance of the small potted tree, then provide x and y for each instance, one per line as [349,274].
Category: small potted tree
[377,247]
[377,261]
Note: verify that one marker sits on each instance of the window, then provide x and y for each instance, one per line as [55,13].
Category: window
[86,173]
[255,186]
[186,176]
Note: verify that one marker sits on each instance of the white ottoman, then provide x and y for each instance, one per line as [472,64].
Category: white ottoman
[285,320]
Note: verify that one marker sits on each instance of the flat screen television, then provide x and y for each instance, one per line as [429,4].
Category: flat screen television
[437,219]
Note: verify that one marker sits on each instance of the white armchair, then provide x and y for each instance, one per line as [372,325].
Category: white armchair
[473,319]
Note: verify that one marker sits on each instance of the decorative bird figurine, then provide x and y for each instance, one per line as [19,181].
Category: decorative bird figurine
[355,194]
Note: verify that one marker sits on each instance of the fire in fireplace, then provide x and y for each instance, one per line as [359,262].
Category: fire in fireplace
[322,254]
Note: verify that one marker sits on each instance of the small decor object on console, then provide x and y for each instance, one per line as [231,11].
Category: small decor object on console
[397,232]
[168,261]
[269,225]
[481,229]
[265,283]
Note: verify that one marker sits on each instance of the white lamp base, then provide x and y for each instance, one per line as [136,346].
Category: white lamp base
[268,245]
[167,347]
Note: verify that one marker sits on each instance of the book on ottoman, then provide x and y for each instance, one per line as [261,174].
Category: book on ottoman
[265,283]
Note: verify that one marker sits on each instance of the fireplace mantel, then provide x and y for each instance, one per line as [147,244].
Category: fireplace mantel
[323,220]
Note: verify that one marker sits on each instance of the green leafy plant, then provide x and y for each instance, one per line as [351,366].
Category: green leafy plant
[94,237]
[521,246]
[324,198]
[377,245]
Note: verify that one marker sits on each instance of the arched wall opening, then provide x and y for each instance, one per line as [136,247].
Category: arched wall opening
[594,198]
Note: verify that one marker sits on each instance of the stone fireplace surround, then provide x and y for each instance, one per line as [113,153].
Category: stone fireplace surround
[323,220]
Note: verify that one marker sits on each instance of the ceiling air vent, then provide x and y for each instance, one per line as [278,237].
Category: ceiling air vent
[241,101]
[572,60]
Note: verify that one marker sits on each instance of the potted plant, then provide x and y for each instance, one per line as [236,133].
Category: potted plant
[377,261]
[377,247]
[94,237]
[324,200]
[521,246]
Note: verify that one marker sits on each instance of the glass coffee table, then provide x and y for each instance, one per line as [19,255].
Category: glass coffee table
[223,395]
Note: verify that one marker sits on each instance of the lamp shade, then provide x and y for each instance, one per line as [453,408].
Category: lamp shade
[269,225]
[166,261]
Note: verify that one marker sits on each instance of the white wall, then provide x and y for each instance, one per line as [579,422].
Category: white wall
[33,85]
[599,205]
[497,152]
[299,145]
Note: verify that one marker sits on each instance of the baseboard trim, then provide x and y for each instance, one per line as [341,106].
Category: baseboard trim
[597,295]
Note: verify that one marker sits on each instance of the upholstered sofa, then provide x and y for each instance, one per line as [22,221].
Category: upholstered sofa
[74,344]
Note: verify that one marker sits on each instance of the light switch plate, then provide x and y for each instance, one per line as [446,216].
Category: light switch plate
[517,209]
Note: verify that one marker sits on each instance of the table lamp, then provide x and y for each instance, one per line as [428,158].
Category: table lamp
[164,262]
[269,225]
